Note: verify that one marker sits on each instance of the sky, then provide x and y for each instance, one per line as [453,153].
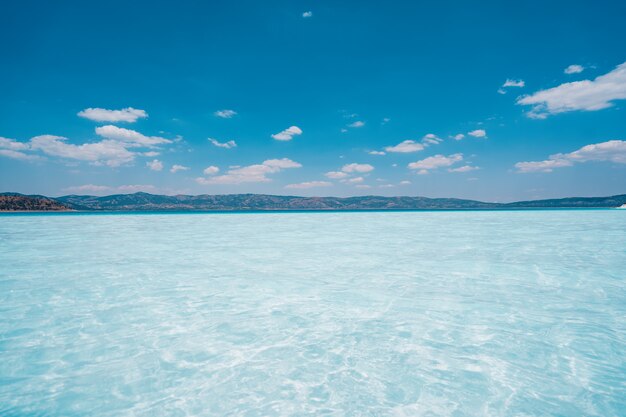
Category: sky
[490,100]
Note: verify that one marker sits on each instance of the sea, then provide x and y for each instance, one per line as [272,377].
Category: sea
[416,313]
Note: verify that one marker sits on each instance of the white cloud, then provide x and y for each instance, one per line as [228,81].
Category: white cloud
[6,143]
[584,95]
[107,152]
[610,151]
[112,151]
[175,168]
[460,136]
[574,69]
[226,145]
[101,189]
[87,188]
[358,123]
[282,163]
[362,168]
[151,154]
[211,170]
[155,165]
[405,147]
[130,137]
[10,153]
[225,114]
[405,182]
[136,188]
[307,14]
[11,148]
[251,173]
[513,83]
[342,130]
[354,180]
[542,166]
[478,133]
[385,120]
[464,168]
[288,133]
[431,139]
[336,175]
[434,162]
[377,153]
[128,115]
[501,91]
[310,184]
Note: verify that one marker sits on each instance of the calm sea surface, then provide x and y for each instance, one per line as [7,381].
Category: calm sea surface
[516,313]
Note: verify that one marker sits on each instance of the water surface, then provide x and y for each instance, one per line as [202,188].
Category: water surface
[518,313]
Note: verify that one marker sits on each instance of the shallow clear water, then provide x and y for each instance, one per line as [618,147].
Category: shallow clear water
[519,313]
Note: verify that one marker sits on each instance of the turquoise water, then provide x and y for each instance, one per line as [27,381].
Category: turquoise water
[519,313]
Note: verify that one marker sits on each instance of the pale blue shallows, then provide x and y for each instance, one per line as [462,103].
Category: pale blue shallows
[518,313]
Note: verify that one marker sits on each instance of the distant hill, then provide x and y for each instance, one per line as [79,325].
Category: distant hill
[248,202]
[18,202]
[144,201]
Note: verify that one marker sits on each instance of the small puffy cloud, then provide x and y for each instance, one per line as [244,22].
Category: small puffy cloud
[377,153]
[501,91]
[281,163]
[478,133]
[155,165]
[358,123]
[460,136]
[542,166]
[225,114]
[513,83]
[151,154]
[226,145]
[251,173]
[307,14]
[464,168]
[128,115]
[175,168]
[211,170]
[103,189]
[610,151]
[336,175]
[309,184]
[385,120]
[107,152]
[434,162]
[431,139]
[135,188]
[405,182]
[130,137]
[87,188]
[361,168]
[574,69]
[288,133]
[405,147]
[586,95]
[355,180]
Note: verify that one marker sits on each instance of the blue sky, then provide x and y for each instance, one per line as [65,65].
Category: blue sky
[314,98]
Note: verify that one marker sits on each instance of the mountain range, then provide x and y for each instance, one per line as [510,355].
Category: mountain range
[262,202]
